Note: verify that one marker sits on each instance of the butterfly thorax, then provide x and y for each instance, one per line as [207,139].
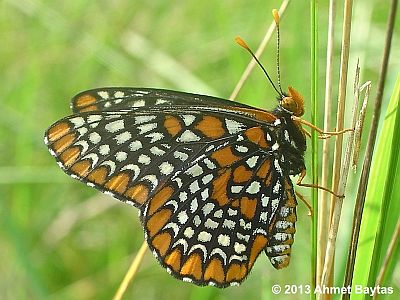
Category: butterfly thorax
[290,135]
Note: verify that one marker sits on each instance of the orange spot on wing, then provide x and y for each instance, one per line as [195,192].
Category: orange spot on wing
[161,242]
[257,136]
[248,207]
[193,267]
[258,245]
[157,221]
[138,193]
[89,108]
[69,156]
[264,169]
[215,271]
[84,100]
[64,142]
[268,179]
[159,199]
[225,157]
[57,131]
[220,186]
[241,174]
[118,183]
[210,127]
[81,168]
[236,272]
[174,260]
[235,203]
[172,125]
[98,175]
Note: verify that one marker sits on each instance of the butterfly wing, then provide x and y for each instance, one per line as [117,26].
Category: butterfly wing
[208,224]
[117,98]
[207,180]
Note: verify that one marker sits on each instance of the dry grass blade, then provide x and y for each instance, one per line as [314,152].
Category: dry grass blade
[362,187]
[131,272]
[323,208]
[360,124]
[333,229]
[344,61]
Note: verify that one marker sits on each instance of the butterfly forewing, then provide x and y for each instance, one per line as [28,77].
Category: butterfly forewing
[207,175]
[115,98]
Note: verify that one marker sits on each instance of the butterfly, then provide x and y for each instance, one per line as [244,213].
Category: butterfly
[210,177]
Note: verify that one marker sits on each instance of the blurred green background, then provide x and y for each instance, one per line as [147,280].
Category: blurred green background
[60,239]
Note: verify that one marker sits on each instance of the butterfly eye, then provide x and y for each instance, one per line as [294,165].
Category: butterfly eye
[290,104]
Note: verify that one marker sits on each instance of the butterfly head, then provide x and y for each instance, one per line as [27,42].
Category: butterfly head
[293,102]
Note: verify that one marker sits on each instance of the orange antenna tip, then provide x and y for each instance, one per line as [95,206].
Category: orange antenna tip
[242,43]
[275,14]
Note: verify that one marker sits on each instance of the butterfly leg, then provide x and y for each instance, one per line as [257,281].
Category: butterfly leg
[306,203]
[300,183]
[323,134]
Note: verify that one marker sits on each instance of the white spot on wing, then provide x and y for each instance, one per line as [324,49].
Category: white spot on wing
[138,103]
[144,159]
[104,149]
[114,126]
[211,224]
[239,248]
[123,137]
[119,94]
[253,188]
[144,119]
[166,168]
[135,145]
[233,126]
[182,217]
[94,138]
[180,155]
[188,136]
[188,119]
[77,121]
[94,118]
[103,94]
[194,171]
[224,240]
[194,187]
[146,127]
[204,236]
[157,151]
[189,232]
[155,136]
[252,161]
[121,156]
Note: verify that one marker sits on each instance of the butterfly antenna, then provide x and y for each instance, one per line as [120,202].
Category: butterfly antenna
[243,44]
[275,14]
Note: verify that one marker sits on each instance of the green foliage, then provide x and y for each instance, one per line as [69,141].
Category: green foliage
[382,208]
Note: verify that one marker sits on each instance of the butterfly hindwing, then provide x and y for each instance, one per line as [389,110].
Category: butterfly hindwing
[210,222]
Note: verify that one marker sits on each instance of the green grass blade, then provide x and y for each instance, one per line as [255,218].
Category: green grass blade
[381,208]
[314,139]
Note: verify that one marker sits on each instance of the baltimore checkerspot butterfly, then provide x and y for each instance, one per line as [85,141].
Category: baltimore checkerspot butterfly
[210,177]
